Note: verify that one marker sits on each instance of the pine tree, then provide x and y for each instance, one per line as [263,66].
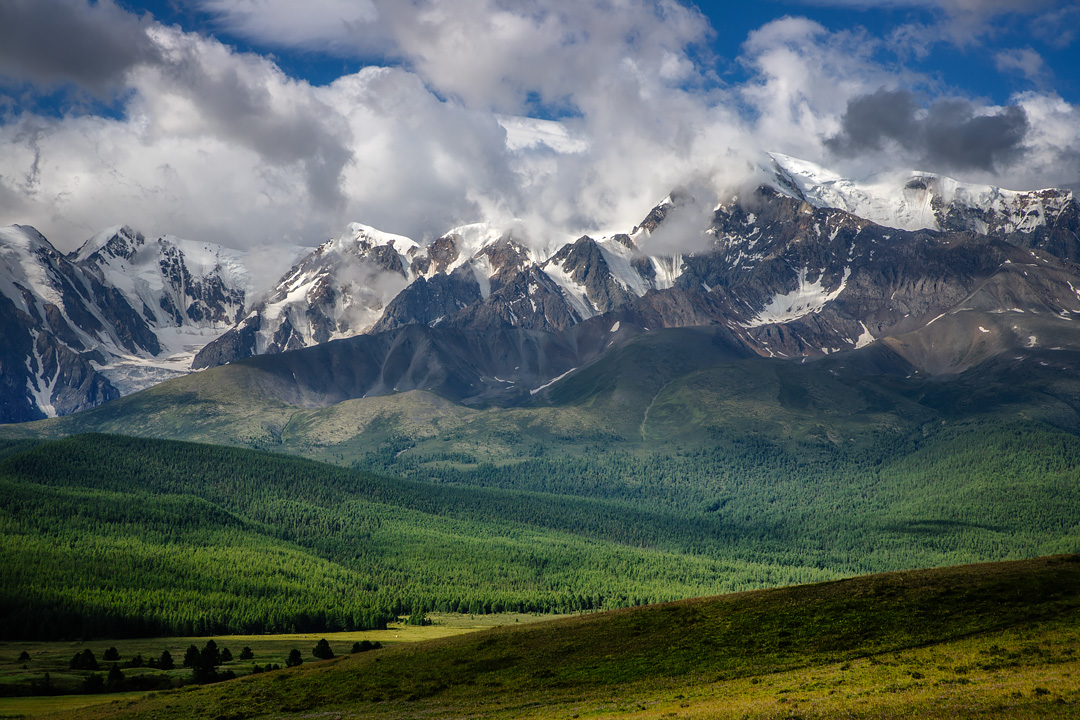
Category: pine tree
[116,676]
[322,650]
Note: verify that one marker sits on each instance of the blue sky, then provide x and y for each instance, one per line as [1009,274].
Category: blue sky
[968,67]
[249,122]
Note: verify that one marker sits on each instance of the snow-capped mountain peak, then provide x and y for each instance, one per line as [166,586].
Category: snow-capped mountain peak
[913,200]
[119,241]
[801,262]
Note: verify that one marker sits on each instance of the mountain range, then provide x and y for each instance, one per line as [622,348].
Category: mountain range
[799,263]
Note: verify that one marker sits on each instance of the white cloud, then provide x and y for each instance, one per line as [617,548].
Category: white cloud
[1024,61]
[223,146]
[1053,143]
[491,54]
[319,25]
[802,79]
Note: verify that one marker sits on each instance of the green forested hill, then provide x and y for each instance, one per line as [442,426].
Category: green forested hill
[106,535]
[646,476]
[109,535]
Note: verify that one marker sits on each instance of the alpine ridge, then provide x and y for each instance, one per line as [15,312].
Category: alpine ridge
[799,262]
[119,314]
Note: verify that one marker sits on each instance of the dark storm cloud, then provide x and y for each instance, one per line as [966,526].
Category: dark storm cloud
[61,41]
[948,134]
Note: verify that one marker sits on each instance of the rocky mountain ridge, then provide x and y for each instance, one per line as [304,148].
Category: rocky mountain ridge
[799,263]
[777,263]
[119,314]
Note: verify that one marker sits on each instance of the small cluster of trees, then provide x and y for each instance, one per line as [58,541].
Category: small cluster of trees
[323,651]
[85,660]
[204,663]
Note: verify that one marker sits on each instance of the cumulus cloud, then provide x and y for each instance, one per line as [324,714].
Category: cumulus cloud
[949,134]
[967,23]
[71,41]
[203,89]
[222,145]
[800,73]
[490,54]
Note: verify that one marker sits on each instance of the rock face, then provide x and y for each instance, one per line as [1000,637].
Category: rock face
[783,271]
[119,314]
[800,263]
[337,291]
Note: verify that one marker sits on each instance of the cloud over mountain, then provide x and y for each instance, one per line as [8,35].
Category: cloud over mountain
[219,142]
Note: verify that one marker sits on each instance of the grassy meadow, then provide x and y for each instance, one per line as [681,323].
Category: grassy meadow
[21,676]
[983,641]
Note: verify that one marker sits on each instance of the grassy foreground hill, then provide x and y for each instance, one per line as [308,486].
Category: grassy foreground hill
[984,641]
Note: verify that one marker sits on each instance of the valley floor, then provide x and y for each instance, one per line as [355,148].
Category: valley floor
[53,658]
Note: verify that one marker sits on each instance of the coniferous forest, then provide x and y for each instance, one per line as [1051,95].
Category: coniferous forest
[110,536]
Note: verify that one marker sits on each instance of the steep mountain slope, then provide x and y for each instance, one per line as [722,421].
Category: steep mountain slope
[119,314]
[794,264]
[56,321]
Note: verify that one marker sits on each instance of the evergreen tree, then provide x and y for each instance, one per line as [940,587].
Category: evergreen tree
[111,655]
[246,654]
[226,655]
[294,659]
[191,657]
[205,670]
[165,662]
[210,657]
[84,660]
[116,676]
[322,650]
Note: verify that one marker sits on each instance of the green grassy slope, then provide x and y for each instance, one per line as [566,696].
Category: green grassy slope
[656,395]
[983,641]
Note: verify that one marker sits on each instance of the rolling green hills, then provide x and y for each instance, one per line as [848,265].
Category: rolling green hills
[106,535]
[984,641]
[111,535]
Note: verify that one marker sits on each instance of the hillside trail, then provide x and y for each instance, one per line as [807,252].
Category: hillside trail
[645,419]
